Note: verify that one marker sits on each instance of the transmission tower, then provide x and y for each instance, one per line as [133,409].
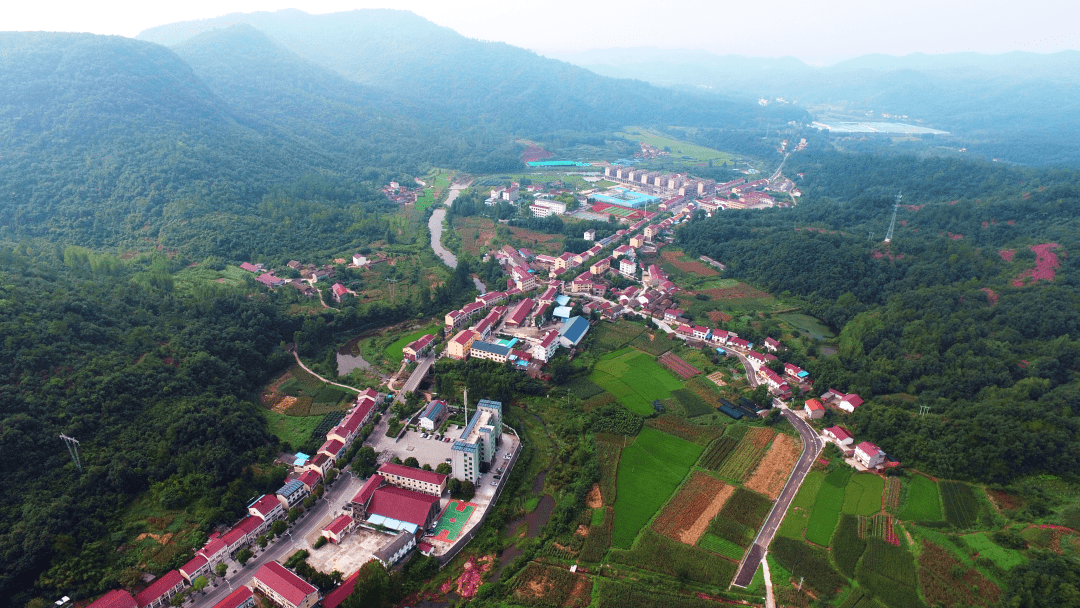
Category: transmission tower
[892,224]
[393,289]
[924,410]
[73,449]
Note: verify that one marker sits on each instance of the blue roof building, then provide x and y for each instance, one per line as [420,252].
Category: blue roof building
[562,312]
[572,331]
[562,300]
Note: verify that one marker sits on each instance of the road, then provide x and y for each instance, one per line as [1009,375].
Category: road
[812,445]
[342,490]
[417,375]
[305,368]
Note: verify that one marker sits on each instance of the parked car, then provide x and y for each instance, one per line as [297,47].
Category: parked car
[494,483]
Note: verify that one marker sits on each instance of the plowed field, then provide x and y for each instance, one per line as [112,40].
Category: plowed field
[775,467]
[687,516]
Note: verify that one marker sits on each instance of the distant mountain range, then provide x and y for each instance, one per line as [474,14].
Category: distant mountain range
[1021,107]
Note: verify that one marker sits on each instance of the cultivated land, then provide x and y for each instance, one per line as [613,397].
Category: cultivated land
[634,378]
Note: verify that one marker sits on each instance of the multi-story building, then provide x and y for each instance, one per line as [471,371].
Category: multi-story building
[459,345]
[160,591]
[412,478]
[471,455]
[283,588]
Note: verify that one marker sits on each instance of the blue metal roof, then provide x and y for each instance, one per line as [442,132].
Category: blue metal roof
[290,487]
[562,300]
[573,329]
[495,349]
[562,312]
[433,410]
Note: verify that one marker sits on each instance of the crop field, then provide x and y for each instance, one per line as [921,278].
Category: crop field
[584,389]
[608,451]
[774,469]
[687,515]
[863,495]
[678,147]
[649,471]
[827,507]
[612,336]
[656,553]
[747,454]
[943,579]
[701,434]
[691,403]
[719,451]
[634,378]
[681,262]
[655,343]
[892,495]
[721,546]
[1002,557]
[677,365]
[847,544]
[808,326]
[889,573]
[741,517]
[859,599]
[539,585]
[961,506]
[294,429]
[921,500]
[804,560]
[599,539]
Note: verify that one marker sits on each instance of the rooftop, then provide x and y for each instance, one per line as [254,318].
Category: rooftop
[117,598]
[368,489]
[235,599]
[412,473]
[339,524]
[402,504]
[158,588]
[289,586]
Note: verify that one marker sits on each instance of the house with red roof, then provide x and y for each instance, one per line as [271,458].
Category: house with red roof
[332,448]
[719,336]
[814,409]
[684,331]
[459,346]
[419,348]
[700,332]
[520,312]
[407,506]
[869,455]
[840,435]
[413,478]
[339,291]
[160,591]
[671,314]
[337,596]
[283,588]
[195,568]
[336,530]
[310,479]
[756,357]
[215,551]
[772,378]
[320,462]
[241,598]
[849,402]
[772,344]
[248,266]
[117,598]
[267,508]
[832,396]
[548,345]
[739,342]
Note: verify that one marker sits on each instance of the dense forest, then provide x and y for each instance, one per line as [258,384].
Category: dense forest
[947,315]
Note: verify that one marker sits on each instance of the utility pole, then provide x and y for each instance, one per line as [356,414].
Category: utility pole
[73,449]
[466,406]
[892,224]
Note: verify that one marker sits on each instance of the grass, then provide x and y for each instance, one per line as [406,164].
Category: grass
[678,148]
[635,379]
[294,429]
[827,506]
[658,553]
[393,350]
[922,502]
[721,546]
[1004,558]
[808,325]
[649,471]
[863,495]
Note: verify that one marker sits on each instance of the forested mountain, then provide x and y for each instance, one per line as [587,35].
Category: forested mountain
[496,83]
[1019,107]
[947,315]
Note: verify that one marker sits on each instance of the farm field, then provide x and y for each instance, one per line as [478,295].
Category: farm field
[683,263]
[691,403]
[675,363]
[741,517]
[943,579]
[827,507]
[688,514]
[657,553]
[552,586]
[634,378]
[772,472]
[649,471]
[1002,557]
[742,460]
[808,326]
[889,573]
[678,147]
[962,507]
[863,494]
[393,350]
[922,502]
[294,429]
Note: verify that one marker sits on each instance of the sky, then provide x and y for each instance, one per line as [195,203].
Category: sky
[816,31]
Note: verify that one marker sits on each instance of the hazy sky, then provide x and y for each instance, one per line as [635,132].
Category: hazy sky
[813,30]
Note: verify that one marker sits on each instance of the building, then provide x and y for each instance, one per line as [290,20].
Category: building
[491,352]
[241,598]
[572,331]
[814,409]
[590,235]
[336,530]
[600,266]
[433,415]
[321,463]
[160,591]
[412,478]
[283,588]
[267,508]
[397,509]
[869,455]
[548,345]
[294,491]
[459,346]
[419,348]
[117,598]
[520,312]
[849,402]
[627,268]
[840,435]
[700,332]
[471,455]
[756,358]
[773,345]
[339,291]
[195,568]
[310,479]
[392,552]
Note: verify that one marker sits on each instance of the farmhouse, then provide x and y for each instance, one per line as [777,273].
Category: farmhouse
[419,348]
[849,402]
[336,531]
[520,313]
[283,588]
[756,357]
[310,479]
[869,455]
[267,508]
[772,344]
[839,434]
[814,409]
[627,268]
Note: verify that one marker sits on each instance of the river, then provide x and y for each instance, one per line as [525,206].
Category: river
[435,225]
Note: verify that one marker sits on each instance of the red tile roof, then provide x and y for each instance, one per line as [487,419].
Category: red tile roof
[248,266]
[289,586]
[339,289]
[117,598]
[549,338]
[368,489]
[216,545]
[868,448]
[310,479]
[412,473]
[420,343]
[266,504]
[814,404]
[362,410]
[402,504]
[158,588]
[339,524]
[234,599]
[463,337]
[194,564]
[839,432]
[337,596]
[319,460]
[853,399]
[233,536]
[249,524]
[332,446]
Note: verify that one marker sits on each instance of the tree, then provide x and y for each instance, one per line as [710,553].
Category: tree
[262,541]
[278,527]
[411,461]
[309,501]
[331,475]
[760,396]
[319,542]
[294,514]
[426,467]
[199,583]
[221,569]
[444,468]
[372,588]
[244,555]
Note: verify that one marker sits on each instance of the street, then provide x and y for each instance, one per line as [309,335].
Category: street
[344,488]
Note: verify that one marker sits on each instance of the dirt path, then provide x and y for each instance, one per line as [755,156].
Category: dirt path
[305,368]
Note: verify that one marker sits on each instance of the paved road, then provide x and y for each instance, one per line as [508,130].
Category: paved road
[342,490]
[417,375]
[812,445]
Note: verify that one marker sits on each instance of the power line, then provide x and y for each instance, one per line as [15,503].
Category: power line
[73,449]
[892,224]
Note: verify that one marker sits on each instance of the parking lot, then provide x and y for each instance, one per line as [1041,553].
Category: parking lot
[353,552]
[413,444]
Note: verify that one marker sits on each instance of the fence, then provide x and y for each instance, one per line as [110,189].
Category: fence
[452,553]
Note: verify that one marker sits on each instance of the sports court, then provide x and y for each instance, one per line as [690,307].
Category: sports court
[453,520]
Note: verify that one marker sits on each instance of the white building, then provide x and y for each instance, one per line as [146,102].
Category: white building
[471,456]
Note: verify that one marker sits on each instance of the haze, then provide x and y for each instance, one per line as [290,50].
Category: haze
[816,32]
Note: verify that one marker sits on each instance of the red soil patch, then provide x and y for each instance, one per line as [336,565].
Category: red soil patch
[470,578]
[953,202]
[890,532]
[990,295]
[694,267]
[1007,254]
[1011,222]
[1046,265]
[677,365]
[914,207]
[1027,195]
[735,292]
[955,237]
[534,153]
[903,222]
[719,317]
